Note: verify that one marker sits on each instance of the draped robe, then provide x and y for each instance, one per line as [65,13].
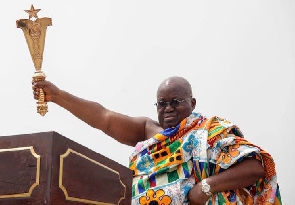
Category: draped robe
[168,165]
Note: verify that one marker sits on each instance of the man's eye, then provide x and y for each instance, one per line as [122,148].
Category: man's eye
[161,103]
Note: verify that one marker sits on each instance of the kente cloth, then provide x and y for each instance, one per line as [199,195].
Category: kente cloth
[168,165]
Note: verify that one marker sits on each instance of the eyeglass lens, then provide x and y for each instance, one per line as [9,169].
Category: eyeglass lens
[173,103]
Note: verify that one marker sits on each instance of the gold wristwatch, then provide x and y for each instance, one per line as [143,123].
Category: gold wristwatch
[206,187]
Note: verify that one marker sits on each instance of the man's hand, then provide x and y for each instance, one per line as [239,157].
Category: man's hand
[196,196]
[50,90]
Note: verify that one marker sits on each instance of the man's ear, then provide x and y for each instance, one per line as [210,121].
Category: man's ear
[194,103]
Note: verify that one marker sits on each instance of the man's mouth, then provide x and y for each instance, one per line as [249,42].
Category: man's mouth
[169,118]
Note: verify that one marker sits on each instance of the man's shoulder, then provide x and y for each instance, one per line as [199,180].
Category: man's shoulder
[212,121]
[152,127]
[217,124]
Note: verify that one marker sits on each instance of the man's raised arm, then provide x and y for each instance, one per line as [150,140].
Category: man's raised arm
[125,129]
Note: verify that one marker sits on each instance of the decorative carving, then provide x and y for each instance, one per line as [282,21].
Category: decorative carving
[32,160]
[35,32]
[69,165]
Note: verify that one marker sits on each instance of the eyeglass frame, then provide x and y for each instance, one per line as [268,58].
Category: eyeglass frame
[170,103]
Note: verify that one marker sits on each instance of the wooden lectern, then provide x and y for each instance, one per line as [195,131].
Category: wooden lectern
[50,169]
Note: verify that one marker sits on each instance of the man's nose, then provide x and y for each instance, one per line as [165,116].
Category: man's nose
[168,106]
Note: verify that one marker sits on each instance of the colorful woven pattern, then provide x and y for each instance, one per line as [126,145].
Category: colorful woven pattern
[168,165]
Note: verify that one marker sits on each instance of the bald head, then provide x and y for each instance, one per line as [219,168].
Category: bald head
[176,81]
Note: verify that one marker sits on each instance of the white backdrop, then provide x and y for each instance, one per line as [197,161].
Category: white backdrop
[238,55]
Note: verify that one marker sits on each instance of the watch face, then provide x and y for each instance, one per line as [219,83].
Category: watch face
[206,188]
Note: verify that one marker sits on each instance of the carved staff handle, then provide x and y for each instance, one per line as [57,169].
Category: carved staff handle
[42,107]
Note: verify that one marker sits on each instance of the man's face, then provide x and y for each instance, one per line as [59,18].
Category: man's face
[170,115]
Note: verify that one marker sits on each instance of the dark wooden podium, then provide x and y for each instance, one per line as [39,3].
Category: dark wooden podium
[50,169]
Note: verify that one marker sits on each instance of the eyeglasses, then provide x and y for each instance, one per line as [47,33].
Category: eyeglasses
[174,103]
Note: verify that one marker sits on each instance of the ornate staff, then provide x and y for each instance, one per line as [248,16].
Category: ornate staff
[35,32]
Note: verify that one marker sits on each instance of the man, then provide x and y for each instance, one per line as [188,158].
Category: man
[184,158]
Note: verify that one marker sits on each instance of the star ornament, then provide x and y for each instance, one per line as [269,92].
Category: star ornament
[33,12]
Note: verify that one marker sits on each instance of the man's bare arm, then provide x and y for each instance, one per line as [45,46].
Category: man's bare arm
[125,129]
[238,176]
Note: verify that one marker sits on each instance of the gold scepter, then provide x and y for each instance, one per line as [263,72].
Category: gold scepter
[35,32]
